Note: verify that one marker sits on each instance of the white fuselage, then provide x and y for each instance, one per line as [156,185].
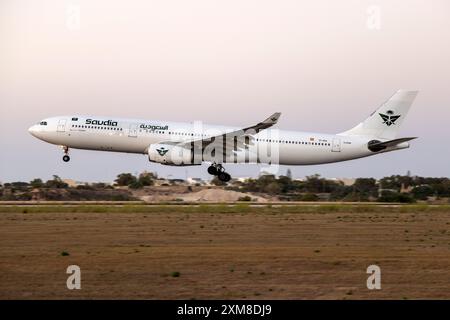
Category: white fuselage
[135,136]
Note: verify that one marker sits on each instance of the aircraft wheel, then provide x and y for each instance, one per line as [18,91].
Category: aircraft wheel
[213,170]
[66,158]
[225,177]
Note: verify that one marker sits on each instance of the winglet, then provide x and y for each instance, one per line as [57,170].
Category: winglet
[270,121]
[273,119]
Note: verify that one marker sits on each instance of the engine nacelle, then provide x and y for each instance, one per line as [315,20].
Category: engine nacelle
[173,155]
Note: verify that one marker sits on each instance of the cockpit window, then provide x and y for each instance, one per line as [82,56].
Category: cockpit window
[43,123]
[74,119]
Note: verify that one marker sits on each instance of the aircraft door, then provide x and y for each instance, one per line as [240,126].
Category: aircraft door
[133,131]
[61,125]
[336,145]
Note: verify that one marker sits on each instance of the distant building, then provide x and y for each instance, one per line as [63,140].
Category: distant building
[176,182]
[266,173]
[242,179]
[406,189]
[160,182]
[346,181]
[196,181]
[72,183]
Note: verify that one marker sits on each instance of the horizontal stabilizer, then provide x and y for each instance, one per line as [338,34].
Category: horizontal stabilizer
[376,145]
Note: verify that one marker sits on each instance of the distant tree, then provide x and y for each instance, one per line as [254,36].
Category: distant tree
[85,186]
[36,183]
[365,184]
[215,181]
[312,183]
[56,182]
[101,185]
[19,185]
[125,179]
[147,178]
[309,197]
[340,192]
[273,188]
[422,192]
[396,182]
[365,188]
[391,196]
[245,198]
[286,184]
[316,184]
[136,185]
[263,182]
[441,187]
[289,174]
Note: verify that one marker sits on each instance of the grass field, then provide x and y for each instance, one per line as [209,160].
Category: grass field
[241,251]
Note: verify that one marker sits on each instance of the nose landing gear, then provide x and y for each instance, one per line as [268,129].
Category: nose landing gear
[216,169]
[66,157]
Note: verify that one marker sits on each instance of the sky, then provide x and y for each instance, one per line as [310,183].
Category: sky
[324,64]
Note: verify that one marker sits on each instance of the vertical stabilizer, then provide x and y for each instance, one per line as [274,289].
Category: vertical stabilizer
[385,122]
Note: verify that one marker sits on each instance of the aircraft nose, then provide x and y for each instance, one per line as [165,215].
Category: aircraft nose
[32,130]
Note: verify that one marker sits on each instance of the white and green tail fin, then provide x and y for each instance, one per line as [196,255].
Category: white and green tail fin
[385,122]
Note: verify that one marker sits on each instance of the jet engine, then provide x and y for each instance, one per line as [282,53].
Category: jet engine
[174,155]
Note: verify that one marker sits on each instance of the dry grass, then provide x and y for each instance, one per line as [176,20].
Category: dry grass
[243,207]
[225,252]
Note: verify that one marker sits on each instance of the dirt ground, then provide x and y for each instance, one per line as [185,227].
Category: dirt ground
[198,194]
[225,256]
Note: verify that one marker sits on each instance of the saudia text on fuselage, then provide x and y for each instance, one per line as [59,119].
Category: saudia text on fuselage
[102,122]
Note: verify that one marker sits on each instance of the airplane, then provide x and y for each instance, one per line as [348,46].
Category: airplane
[186,144]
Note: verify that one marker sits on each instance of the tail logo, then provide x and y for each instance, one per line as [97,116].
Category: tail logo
[389,118]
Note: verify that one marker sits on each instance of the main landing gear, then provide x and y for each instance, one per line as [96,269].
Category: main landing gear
[66,157]
[216,169]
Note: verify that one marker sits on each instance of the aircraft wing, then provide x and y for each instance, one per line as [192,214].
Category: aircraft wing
[234,140]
